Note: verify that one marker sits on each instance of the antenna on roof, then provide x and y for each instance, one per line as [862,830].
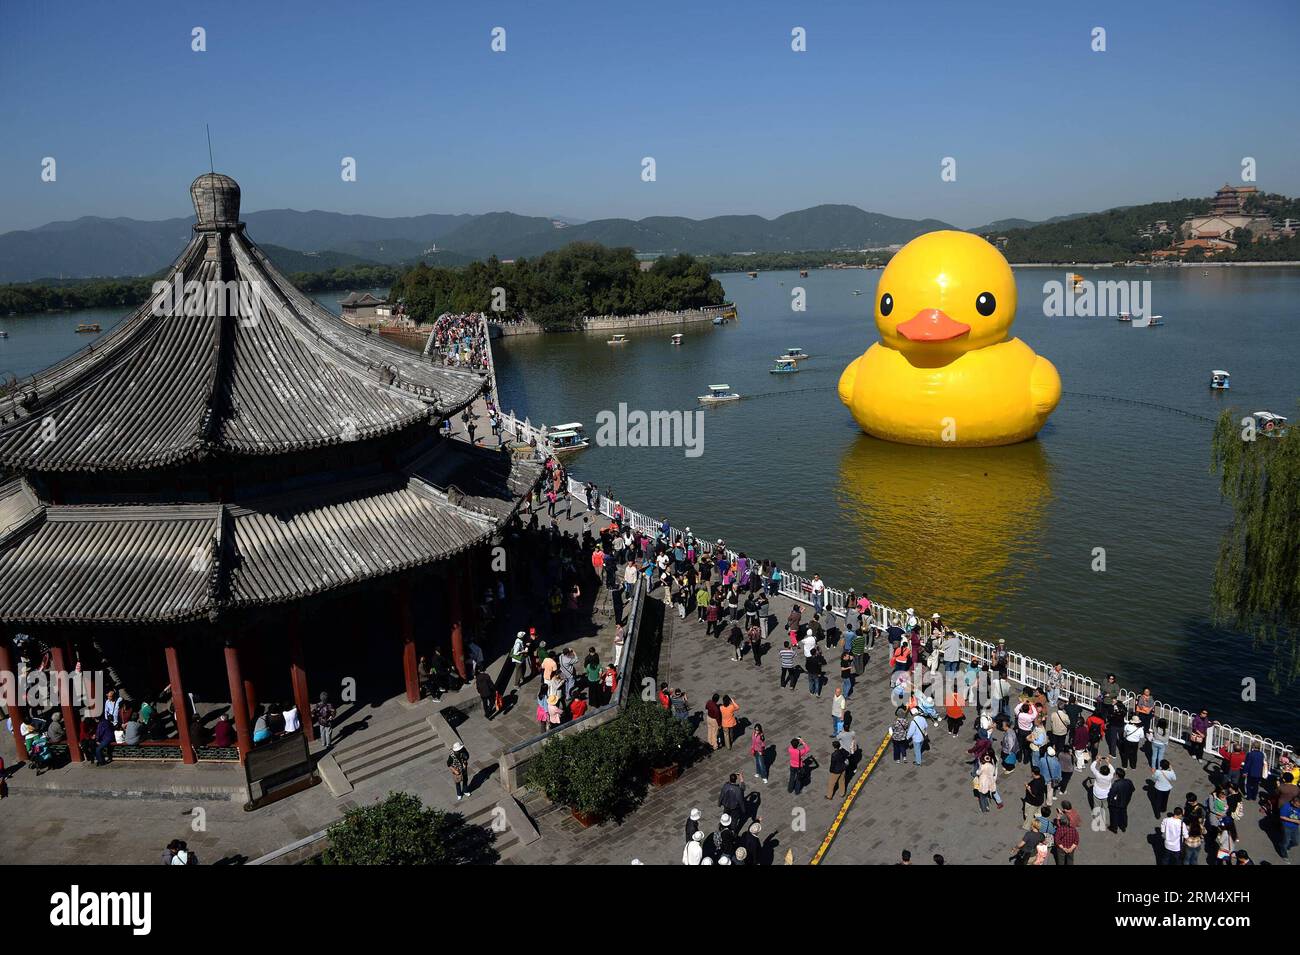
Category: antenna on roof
[212,170]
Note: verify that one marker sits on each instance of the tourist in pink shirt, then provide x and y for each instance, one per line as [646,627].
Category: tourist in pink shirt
[799,754]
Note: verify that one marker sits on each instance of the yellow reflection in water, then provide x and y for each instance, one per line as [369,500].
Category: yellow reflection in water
[942,530]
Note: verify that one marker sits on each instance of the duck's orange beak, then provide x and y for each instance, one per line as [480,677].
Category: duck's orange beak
[932,325]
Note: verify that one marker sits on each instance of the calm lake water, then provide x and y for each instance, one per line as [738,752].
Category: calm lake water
[1000,540]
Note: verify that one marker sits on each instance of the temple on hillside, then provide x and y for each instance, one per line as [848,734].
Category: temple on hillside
[235,495]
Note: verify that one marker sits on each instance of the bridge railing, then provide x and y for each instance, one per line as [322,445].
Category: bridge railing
[1025,670]
[524,430]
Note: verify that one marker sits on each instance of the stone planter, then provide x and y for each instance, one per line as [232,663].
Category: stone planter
[664,775]
[586,818]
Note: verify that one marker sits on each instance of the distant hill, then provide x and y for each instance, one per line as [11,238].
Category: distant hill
[1108,236]
[821,227]
[1002,225]
[291,260]
[93,246]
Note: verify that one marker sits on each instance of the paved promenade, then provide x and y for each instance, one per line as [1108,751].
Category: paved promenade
[927,810]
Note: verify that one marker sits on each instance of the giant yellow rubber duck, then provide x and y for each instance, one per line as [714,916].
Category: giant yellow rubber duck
[944,372]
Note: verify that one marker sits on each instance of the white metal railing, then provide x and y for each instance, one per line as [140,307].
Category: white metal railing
[491,365]
[1021,669]
[524,430]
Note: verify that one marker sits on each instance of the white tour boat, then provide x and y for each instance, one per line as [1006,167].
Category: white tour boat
[719,393]
[567,437]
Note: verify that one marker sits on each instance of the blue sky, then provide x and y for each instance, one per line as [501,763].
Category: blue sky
[558,124]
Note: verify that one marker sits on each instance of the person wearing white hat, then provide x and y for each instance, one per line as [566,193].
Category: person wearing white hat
[1131,743]
[1050,766]
[911,620]
[693,854]
[458,763]
[693,823]
[752,844]
[519,656]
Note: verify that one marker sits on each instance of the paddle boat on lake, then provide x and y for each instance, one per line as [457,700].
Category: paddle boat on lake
[719,393]
[785,366]
[617,340]
[676,339]
[1269,425]
[795,354]
[563,438]
[1220,380]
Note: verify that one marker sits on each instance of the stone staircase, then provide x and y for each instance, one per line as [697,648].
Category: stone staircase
[484,812]
[387,750]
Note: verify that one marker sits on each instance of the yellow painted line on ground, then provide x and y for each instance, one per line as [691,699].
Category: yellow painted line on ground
[848,802]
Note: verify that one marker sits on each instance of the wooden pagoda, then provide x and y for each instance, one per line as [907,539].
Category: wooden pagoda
[231,472]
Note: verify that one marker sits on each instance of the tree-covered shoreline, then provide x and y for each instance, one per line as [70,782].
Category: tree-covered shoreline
[557,288]
[554,289]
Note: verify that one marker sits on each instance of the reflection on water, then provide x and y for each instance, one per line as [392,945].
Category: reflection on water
[944,531]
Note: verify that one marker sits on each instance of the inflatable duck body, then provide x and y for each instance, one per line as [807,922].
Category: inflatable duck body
[944,372]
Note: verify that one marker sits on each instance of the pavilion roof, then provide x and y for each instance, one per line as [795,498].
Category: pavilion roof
[280,374]
[145,564]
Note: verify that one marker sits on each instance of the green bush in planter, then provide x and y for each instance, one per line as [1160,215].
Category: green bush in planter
[654,737]
[599,773]
[588,771]
[401,830]
[602,771]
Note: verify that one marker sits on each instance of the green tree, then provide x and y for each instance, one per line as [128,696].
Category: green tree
[401,831]
[1257,579]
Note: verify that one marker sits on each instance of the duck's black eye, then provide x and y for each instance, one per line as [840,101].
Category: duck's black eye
[886,304]
[986,303]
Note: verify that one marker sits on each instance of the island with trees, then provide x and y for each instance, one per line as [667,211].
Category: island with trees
[558,288]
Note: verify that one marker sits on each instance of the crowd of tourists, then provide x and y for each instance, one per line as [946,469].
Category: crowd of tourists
[1115,745]
[119,724]
[458,341]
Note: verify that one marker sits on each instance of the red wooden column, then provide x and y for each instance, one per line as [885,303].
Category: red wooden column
[238,704]
[406,626]
[180,702]
[456,617]
[16,712]
[251,658]
[298,675]
[65,676]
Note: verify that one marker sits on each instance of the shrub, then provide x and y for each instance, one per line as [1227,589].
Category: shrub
[602,771]
[401,831]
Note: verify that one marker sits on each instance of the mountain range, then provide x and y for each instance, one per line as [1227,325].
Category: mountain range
[314,241]
[95,246]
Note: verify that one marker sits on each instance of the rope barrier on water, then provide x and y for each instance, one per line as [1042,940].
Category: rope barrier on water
[1144,404]
[1073,394]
